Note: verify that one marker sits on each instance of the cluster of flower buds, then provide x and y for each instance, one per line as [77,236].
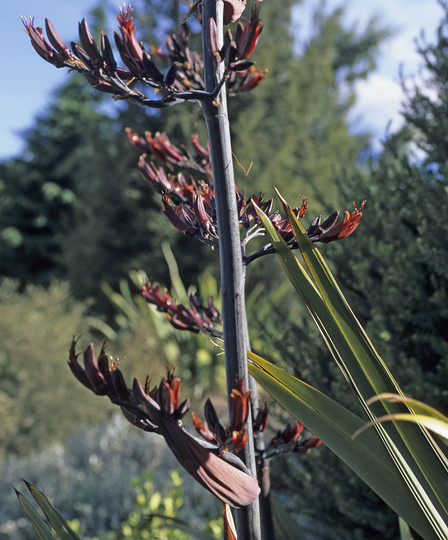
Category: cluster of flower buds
[160,148]
[290,440]
[195,218]
[325,232]
[230,438]
[197,319]
[234,436]
[179,189]
[241,73]
[159,410]
[183,79]
[98,64]
[188,63]
[190,205]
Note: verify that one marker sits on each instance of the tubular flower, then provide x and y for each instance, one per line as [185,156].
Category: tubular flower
[239,407]
[57,53]
[197,319]
[96,374]
[159,411]
[131,51]
[247,34]
[260,421]
[340,230]
[251,78]
[234,436]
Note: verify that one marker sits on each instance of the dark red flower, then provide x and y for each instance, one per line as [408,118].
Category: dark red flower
[239,407]
[129,43]
[202,428]
[328,231]
[247,34]
[252,78]
[261,419]
[234,436]
[290,441]
[59,54]
[96,375]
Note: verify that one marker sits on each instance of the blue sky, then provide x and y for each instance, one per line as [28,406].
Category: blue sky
[28,81]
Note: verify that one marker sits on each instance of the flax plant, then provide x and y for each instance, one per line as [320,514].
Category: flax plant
[230,460]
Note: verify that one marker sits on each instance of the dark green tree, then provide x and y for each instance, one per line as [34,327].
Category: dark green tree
[73,205]
[295,128]
[40,188]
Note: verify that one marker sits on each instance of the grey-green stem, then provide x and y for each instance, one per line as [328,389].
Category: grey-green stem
[232,269]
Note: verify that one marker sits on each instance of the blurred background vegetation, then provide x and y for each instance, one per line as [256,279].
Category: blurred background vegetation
[77,224]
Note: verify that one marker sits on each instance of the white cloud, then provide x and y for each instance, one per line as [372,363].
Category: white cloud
[379,98]
[378,103]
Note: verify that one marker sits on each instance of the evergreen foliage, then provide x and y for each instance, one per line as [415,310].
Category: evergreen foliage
[88,479]
[40,402]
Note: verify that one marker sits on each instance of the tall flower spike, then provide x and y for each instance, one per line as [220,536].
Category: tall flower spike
[159,411]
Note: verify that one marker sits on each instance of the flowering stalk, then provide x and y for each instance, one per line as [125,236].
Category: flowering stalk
[232,269]
[214,211]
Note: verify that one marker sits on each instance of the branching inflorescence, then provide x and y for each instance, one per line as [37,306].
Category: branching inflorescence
[158,410]
[190,205]
[141,79]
